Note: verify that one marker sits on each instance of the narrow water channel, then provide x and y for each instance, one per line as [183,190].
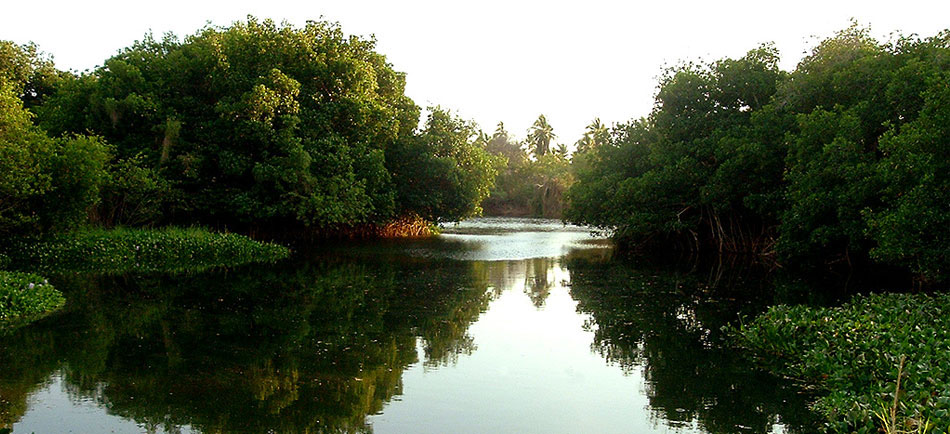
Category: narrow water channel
[498,325]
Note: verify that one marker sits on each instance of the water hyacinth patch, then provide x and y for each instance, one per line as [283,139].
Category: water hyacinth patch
[25,297]
[124,250]
[857,352]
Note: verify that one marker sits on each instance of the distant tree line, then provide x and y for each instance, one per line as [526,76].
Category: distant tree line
[845,159]
[533,174]
[255,126]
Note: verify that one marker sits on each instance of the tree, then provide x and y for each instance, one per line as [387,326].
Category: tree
[540,137]
[501,143]
[678,176]
[912,226]
[840,161]
[267,126]
[443,174]
[30,72]
[46,184]
[595,135]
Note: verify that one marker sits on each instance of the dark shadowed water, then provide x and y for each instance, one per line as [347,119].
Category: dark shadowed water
[498,325]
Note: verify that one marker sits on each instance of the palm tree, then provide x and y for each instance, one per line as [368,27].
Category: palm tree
[500,131]
[540,136]
[595,135]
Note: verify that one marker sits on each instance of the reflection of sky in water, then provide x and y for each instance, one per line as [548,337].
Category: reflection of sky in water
[533,371]
[499,239]
[530,362]
[54,409]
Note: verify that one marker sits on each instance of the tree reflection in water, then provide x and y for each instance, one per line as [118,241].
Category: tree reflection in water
[317,345]
[668,323]
[302,348]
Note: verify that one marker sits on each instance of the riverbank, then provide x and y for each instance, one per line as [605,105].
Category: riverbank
[881,362]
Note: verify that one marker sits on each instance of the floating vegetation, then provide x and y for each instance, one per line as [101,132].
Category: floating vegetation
[883,351]
[26,297]
[114,251]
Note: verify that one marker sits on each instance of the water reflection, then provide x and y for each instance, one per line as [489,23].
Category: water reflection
[668,324]
[297,349]
[396,342]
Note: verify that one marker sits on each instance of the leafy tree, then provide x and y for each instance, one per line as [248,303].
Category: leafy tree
[912,227]
[132,194]
[45,184]
[502,143]
[266,125]
[837,161]
[31,73]
[443,174]
[529,186]
[672,176]
[512,190]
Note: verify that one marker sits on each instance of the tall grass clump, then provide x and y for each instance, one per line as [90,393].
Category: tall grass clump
[124,250]
[881,362]
[26,297]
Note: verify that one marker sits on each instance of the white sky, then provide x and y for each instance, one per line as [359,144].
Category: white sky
[494,60]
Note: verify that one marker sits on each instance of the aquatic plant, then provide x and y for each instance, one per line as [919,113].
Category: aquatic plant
[142,250]
[882,361]
[25,297]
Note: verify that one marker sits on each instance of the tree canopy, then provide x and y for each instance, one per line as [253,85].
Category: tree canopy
[265,125]
[842,159]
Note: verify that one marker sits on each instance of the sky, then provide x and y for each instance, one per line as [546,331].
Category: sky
[498,60]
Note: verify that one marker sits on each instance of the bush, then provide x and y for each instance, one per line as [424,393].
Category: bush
[143,250]
[26,297]
[857,352]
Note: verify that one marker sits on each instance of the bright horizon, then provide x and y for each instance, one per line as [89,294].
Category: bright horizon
[497,61]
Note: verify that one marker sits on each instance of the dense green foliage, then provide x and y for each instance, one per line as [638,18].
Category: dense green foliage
[31,73]
[255,127]
[528,185]
[25,297]
[124,250]
[856,353]
[269,126]
[700,169]
[46,184]
[442,174]
[842,159]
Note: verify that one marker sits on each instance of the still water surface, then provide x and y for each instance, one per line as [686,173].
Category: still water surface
[498,325]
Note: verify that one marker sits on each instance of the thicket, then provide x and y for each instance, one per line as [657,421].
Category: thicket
[844,159]
[881,361]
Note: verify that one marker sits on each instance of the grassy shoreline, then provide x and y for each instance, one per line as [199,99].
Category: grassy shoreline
[881,361]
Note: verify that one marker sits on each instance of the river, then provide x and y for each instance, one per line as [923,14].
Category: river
[497,325]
